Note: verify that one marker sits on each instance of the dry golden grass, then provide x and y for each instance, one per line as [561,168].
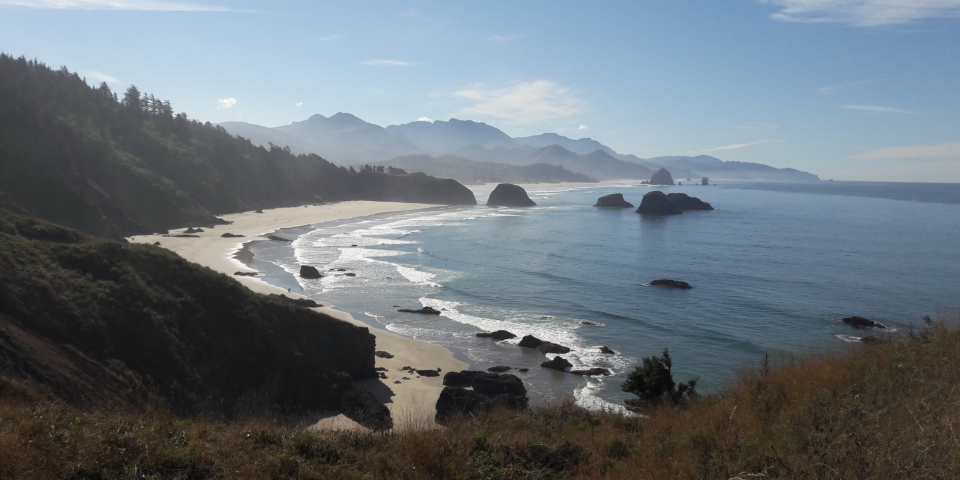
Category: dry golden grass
[888,411]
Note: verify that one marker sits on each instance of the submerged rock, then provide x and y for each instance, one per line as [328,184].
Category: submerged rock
[509,195]
[863,322]
[663,282]
[362,407]
[498,335]
[558,363]
[424,310]
[591,371]
[308,272]
[605,349]
[614,200]
[661,177]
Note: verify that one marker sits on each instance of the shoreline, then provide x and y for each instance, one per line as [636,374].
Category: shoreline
[411,402]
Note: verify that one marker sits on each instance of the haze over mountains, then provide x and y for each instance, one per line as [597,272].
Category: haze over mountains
[474,152]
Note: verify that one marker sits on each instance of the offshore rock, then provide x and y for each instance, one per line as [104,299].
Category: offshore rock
[591,372]
[657,203]
[661,177]
[509,195]
[558,363]
[614,200]
[663,282]
[306,271]
[605,349]
[549,347]
[863,322]
[424,310]
[530,341]
[498,335]
[686,202]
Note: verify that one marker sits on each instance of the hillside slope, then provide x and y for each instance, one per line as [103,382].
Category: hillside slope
[468,171]
[82,157]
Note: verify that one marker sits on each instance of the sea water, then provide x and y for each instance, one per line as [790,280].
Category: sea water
[774,269]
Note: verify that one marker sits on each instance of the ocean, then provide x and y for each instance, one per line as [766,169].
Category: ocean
[774,269]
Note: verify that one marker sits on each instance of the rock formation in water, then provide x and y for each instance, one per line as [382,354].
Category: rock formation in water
[530,341]
[614,200]
[705,181]
[661,177]
[658,203]
[663,282]
[595,371]
[308,272]
[509,195]
[498,335]
[424,310]
[863,322]
[558,363]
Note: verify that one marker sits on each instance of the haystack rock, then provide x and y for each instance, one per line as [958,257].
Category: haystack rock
[614,200]
[661,177]
[306,271]
[705,181]
[509,195]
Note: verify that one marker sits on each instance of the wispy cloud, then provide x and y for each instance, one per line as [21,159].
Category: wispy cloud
[227,103]
[582,127]
[142,5]
[100,77]
[755,126]
[331,38]
[523,103]
[937,150]
[863,13]
[389,63]
[424,119]
[733,147]
[833,88]
[299,104]
[874,108]
[506,38]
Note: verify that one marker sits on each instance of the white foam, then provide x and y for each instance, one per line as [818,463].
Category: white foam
[418,277]
[849,338]
[586,397]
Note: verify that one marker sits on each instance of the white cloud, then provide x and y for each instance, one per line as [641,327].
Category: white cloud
[424,119]
[863,13]
[523,103]
[582,127]
[937,150]
[390,63]
[331,38]
[227,103]
[100,77]
[142,5]
[506,38]
[874,108]
[739,145]
[299,104]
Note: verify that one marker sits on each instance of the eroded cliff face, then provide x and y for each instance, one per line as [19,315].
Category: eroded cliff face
[96,321]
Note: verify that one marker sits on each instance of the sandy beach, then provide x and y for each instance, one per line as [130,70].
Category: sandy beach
[411,401]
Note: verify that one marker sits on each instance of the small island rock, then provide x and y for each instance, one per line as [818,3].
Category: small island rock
[424,310]
[663,282]
[498,335]
[657,203]
[558,363]
[306,271]
[863,322]
[509,195]
[661,177]
[605,349]
[686,202]
[591,371]
[614,200]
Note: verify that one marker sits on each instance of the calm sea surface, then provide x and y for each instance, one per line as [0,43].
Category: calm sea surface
[774,268]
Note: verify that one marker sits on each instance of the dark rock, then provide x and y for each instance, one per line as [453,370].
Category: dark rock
[424,310]
[404,378]
[299,302]
[459,379]
[592,324]
[524,370]
[339,269]
[705,181]
[246,274]
[686,202]
[230,235]
[351,274]
[455,401]
[614,200]
[396,381]
[193,230]
[156,244]
[382,375]
[498,335]
[591,372]
[186,236]
[548,347]
[306,271]
[558,363]
[381,369]
[382,354]
[354,245]
[661,177]
[530,341]
[493,384]
[663,282]
[428,373]
[490,391]
[362,407]
[606,349]
[258,210]
[498,369]
[509,195]
[277,239]
[657,203]
[863,322]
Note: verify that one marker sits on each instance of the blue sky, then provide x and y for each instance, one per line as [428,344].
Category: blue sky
[846,89]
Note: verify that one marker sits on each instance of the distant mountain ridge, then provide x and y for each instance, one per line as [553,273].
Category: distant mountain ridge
[346,139]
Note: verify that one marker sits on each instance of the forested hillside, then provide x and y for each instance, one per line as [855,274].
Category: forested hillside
[111,165]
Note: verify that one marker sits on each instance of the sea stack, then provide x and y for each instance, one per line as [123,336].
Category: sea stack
[657,203]
[614,200]
[705,181]
[661,177]
[509,195]
[306,271]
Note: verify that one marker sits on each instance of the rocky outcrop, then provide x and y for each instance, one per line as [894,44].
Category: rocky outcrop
[193,230]
[498,335]
[382,354]
[490,391]
[614,200]
[663,282]
[661,177]
[428,373]
[705,181]
[230,235]
[424,310]
[362,407]
[530,341]
[499,369]
[308,272]
[297,302]
[509,195]
[245,274]
[863,322]
[558,363]
[605,349]
[657,203]
[595,371]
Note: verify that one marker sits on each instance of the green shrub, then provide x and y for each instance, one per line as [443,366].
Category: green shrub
[653,383]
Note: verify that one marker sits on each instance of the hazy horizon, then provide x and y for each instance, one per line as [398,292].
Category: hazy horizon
[846,90]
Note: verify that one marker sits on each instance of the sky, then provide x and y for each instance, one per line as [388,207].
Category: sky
[845,89]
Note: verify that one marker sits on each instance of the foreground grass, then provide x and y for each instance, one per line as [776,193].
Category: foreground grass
[888,411]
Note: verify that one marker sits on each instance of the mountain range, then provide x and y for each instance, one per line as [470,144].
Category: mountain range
[470,152]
